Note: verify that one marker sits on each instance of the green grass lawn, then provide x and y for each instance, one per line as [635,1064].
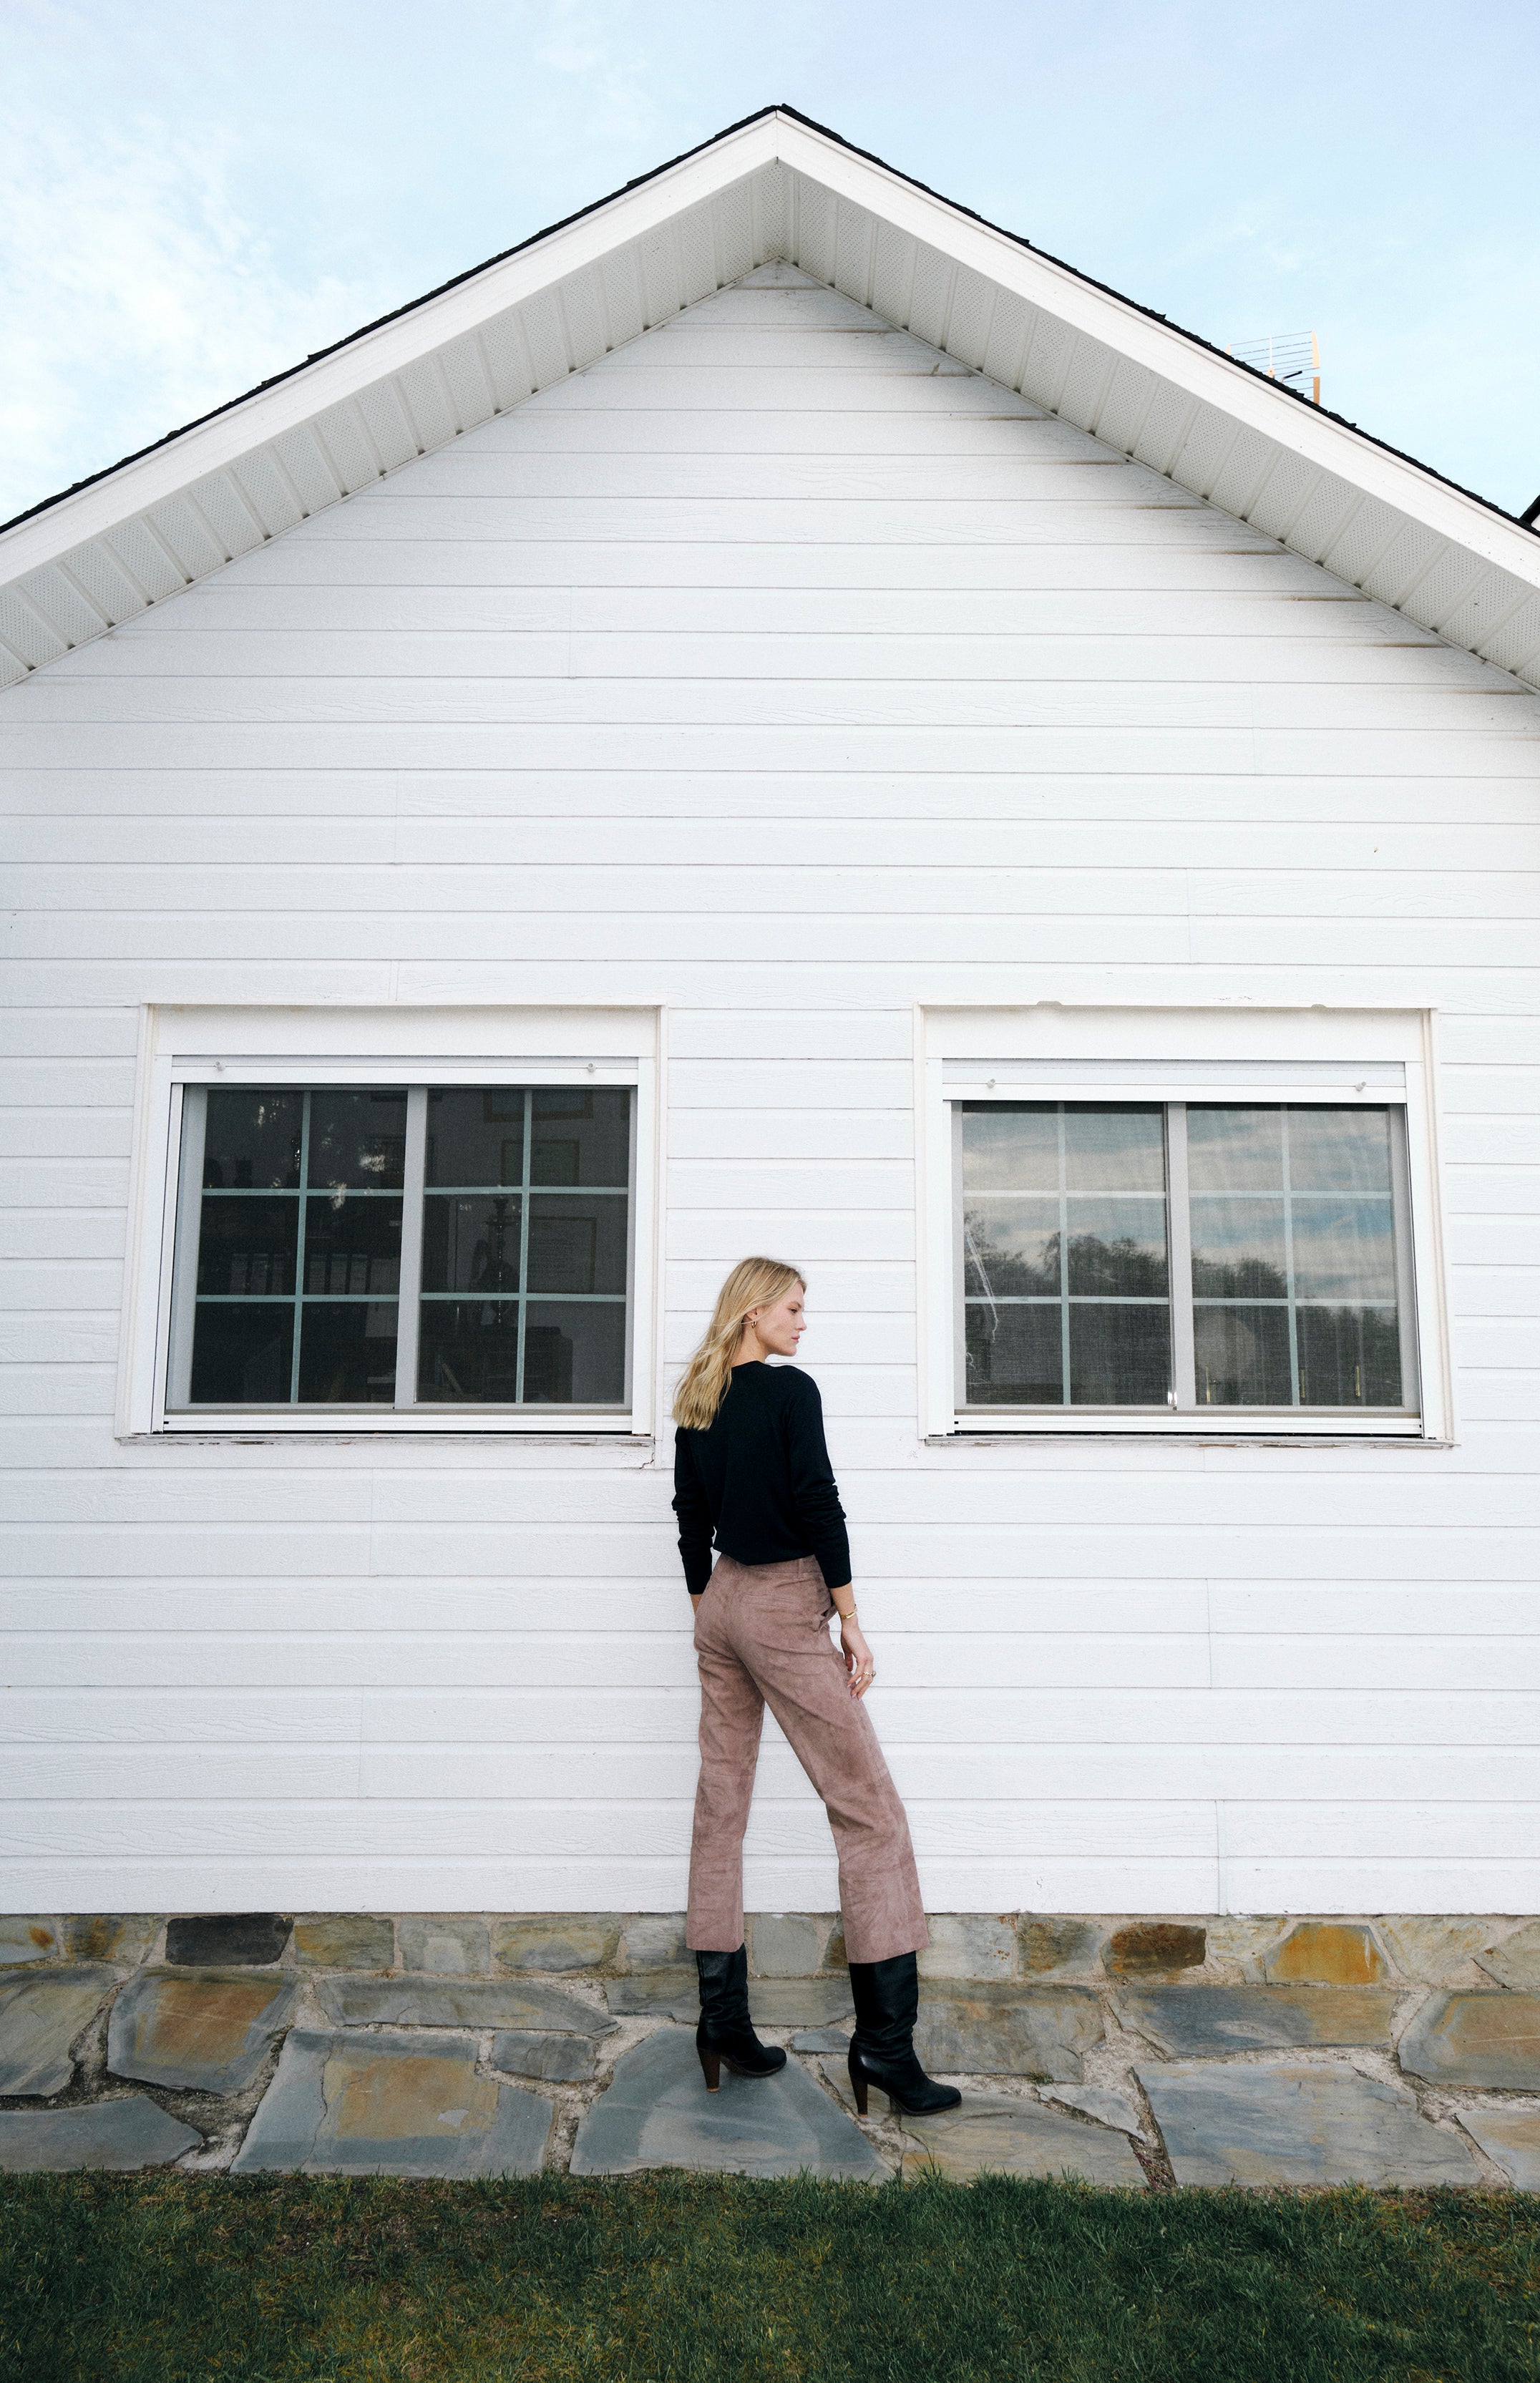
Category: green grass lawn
[667,2278]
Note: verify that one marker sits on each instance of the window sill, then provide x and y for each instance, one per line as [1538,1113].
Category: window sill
[268,1431]
[1196,1434]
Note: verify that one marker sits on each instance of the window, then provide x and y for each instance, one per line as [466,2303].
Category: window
[1184,1254]
[1220,1222]
[404,1246]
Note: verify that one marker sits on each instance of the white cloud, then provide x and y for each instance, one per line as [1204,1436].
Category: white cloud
[134,297]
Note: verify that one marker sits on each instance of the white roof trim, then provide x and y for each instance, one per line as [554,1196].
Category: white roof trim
[774,188]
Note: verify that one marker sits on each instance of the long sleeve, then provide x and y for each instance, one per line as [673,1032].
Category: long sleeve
[690,1505]
[814,1495]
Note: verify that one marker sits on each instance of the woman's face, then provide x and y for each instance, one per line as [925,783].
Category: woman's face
[782,1326]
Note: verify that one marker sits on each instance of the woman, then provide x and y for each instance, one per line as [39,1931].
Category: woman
[751,1470]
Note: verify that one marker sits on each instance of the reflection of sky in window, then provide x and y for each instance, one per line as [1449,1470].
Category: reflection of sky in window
[1343,1250]
[1115,1150]
[1340,1150]
[1235,1150]
[1010,1150]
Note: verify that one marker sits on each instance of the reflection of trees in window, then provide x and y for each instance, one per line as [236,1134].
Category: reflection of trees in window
[1243,1278]
[1124,1269]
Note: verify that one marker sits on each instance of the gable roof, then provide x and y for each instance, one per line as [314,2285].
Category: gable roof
[776,186]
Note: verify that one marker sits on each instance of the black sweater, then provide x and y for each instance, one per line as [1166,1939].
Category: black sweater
[759,1477]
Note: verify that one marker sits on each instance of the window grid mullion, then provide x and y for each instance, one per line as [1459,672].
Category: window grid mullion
[1179,1232]
[300,1250]
[414,1209]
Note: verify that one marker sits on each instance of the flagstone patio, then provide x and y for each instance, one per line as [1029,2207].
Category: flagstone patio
[1137,2051]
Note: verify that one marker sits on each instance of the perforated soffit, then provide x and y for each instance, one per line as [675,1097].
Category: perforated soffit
[776,189]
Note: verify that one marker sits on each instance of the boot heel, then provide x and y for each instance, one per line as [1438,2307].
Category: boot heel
[710,2069]
[857,2082]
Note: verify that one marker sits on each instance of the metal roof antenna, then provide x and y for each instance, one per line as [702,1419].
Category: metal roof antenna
[1288,357]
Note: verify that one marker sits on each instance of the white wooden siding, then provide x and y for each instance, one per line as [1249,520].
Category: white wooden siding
[769,672]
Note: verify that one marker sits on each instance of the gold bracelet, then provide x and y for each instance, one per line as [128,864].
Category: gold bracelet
[845,1617]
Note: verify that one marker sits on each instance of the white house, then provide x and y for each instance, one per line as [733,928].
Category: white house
[772,717]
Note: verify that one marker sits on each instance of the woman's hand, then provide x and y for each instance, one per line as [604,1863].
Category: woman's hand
[858,1656]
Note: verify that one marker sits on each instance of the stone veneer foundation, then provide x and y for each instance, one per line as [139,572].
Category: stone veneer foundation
[1129,2049]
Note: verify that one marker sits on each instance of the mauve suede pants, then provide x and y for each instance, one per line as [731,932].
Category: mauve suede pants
[762,1638]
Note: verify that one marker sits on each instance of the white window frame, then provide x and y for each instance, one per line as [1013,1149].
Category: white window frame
[1056,1052]
[182,1050]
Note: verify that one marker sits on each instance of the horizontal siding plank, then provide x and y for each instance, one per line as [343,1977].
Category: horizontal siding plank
[519,1770]
[603,1882]
[408,898]
[1114,747]
[1374,1662]
[578,1831]
[553,701]
[307,1711]
[1311,1882]
[668,829]
[704,808]
[289,659]
[640,1659]
[237,608]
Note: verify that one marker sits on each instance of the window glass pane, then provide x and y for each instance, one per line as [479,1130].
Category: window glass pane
[1011,1247]
[475,1135]
[1015,1356]
[1349,1357]
[1340,1150]
[358,1139]
[1343,1249]
[1066,1202]
[1239,1249]
[247,1247]
[470,1240]
[577,1244]
[1242,1356]
[1235,1150]
[1325,1233]
[468,1349]
[241,1355]
[352,1245]
[252,1141]
[1117,1246]
[574,1355]
[1119,1356]
[347,1351]
[580,1138]
[1010,1148]
[1114,1149]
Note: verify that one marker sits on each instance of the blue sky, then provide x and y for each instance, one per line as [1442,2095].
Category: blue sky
[197,196]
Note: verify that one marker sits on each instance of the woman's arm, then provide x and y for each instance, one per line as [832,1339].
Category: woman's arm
[814,1496]
[859,1661]
[822,1518]
[695,1516]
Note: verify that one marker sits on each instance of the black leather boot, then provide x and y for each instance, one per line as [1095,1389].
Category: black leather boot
[726,2032]
[886,1995]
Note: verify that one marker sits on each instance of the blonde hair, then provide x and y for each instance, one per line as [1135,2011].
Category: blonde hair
[754,1282]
